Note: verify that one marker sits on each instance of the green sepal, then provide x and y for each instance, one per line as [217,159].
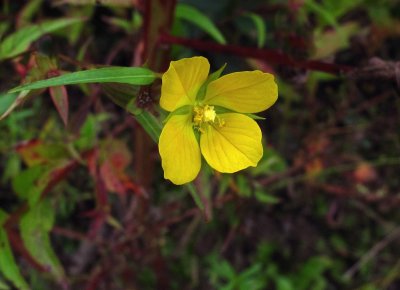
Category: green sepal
[180,111]
[254,116]
[222,110]
[212,77]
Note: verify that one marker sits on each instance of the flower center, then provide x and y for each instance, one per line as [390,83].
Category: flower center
[205,114]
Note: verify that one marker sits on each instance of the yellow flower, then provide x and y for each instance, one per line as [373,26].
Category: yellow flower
[228,139]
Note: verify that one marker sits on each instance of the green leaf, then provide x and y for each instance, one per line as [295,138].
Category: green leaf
[8,266]
[6,100]
[196,17]
[311,272]
[329,42]
[3,28]
[11,101]
[325,14]
[88,133]
[150,124]
[29,10]
[283,283]
[243,185]
[260,27]
[3,285]
[196,196]
[25,183]
[20,41]
[127,75]
[271,163]
[35,226]
[265,197]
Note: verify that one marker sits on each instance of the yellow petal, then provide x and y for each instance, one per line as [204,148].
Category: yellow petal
[181,82]
[243,92]
[179,150]
[234,146]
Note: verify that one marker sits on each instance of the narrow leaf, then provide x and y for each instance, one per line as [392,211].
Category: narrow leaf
[29,10]
[260,27]
[127,75]
[323,13]
[8,266]
[6,101]
[150,124]
[20,41]
[3,28]
[196,196]
[35,226]
[9,101]
[59,96]
[196,17]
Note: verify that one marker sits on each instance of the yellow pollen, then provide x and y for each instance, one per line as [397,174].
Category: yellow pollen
[209,114]
[204,115]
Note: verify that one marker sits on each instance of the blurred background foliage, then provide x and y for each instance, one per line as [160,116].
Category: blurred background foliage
[83,202]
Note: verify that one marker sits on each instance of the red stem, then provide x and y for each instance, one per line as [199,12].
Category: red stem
[268,55]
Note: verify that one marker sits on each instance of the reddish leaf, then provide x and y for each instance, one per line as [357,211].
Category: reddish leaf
[29,153]
[116,158]
[34,152]
[110,177]
[20,69]
[59,96]
[101,194]
[91,159]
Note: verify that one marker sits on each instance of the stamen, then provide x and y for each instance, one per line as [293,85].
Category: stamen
[205,115]
[209,114]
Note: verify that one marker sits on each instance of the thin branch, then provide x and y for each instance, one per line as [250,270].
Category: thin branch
[374,251]
[268,55]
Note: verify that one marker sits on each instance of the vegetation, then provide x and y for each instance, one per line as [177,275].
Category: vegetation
[83,199]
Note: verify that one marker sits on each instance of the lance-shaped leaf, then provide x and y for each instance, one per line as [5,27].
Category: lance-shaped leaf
[6,100]
[59,96]
[199,19]
[260,27]
[19,41]
[35,226]
[8,266]
[9,101]
[127,75]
